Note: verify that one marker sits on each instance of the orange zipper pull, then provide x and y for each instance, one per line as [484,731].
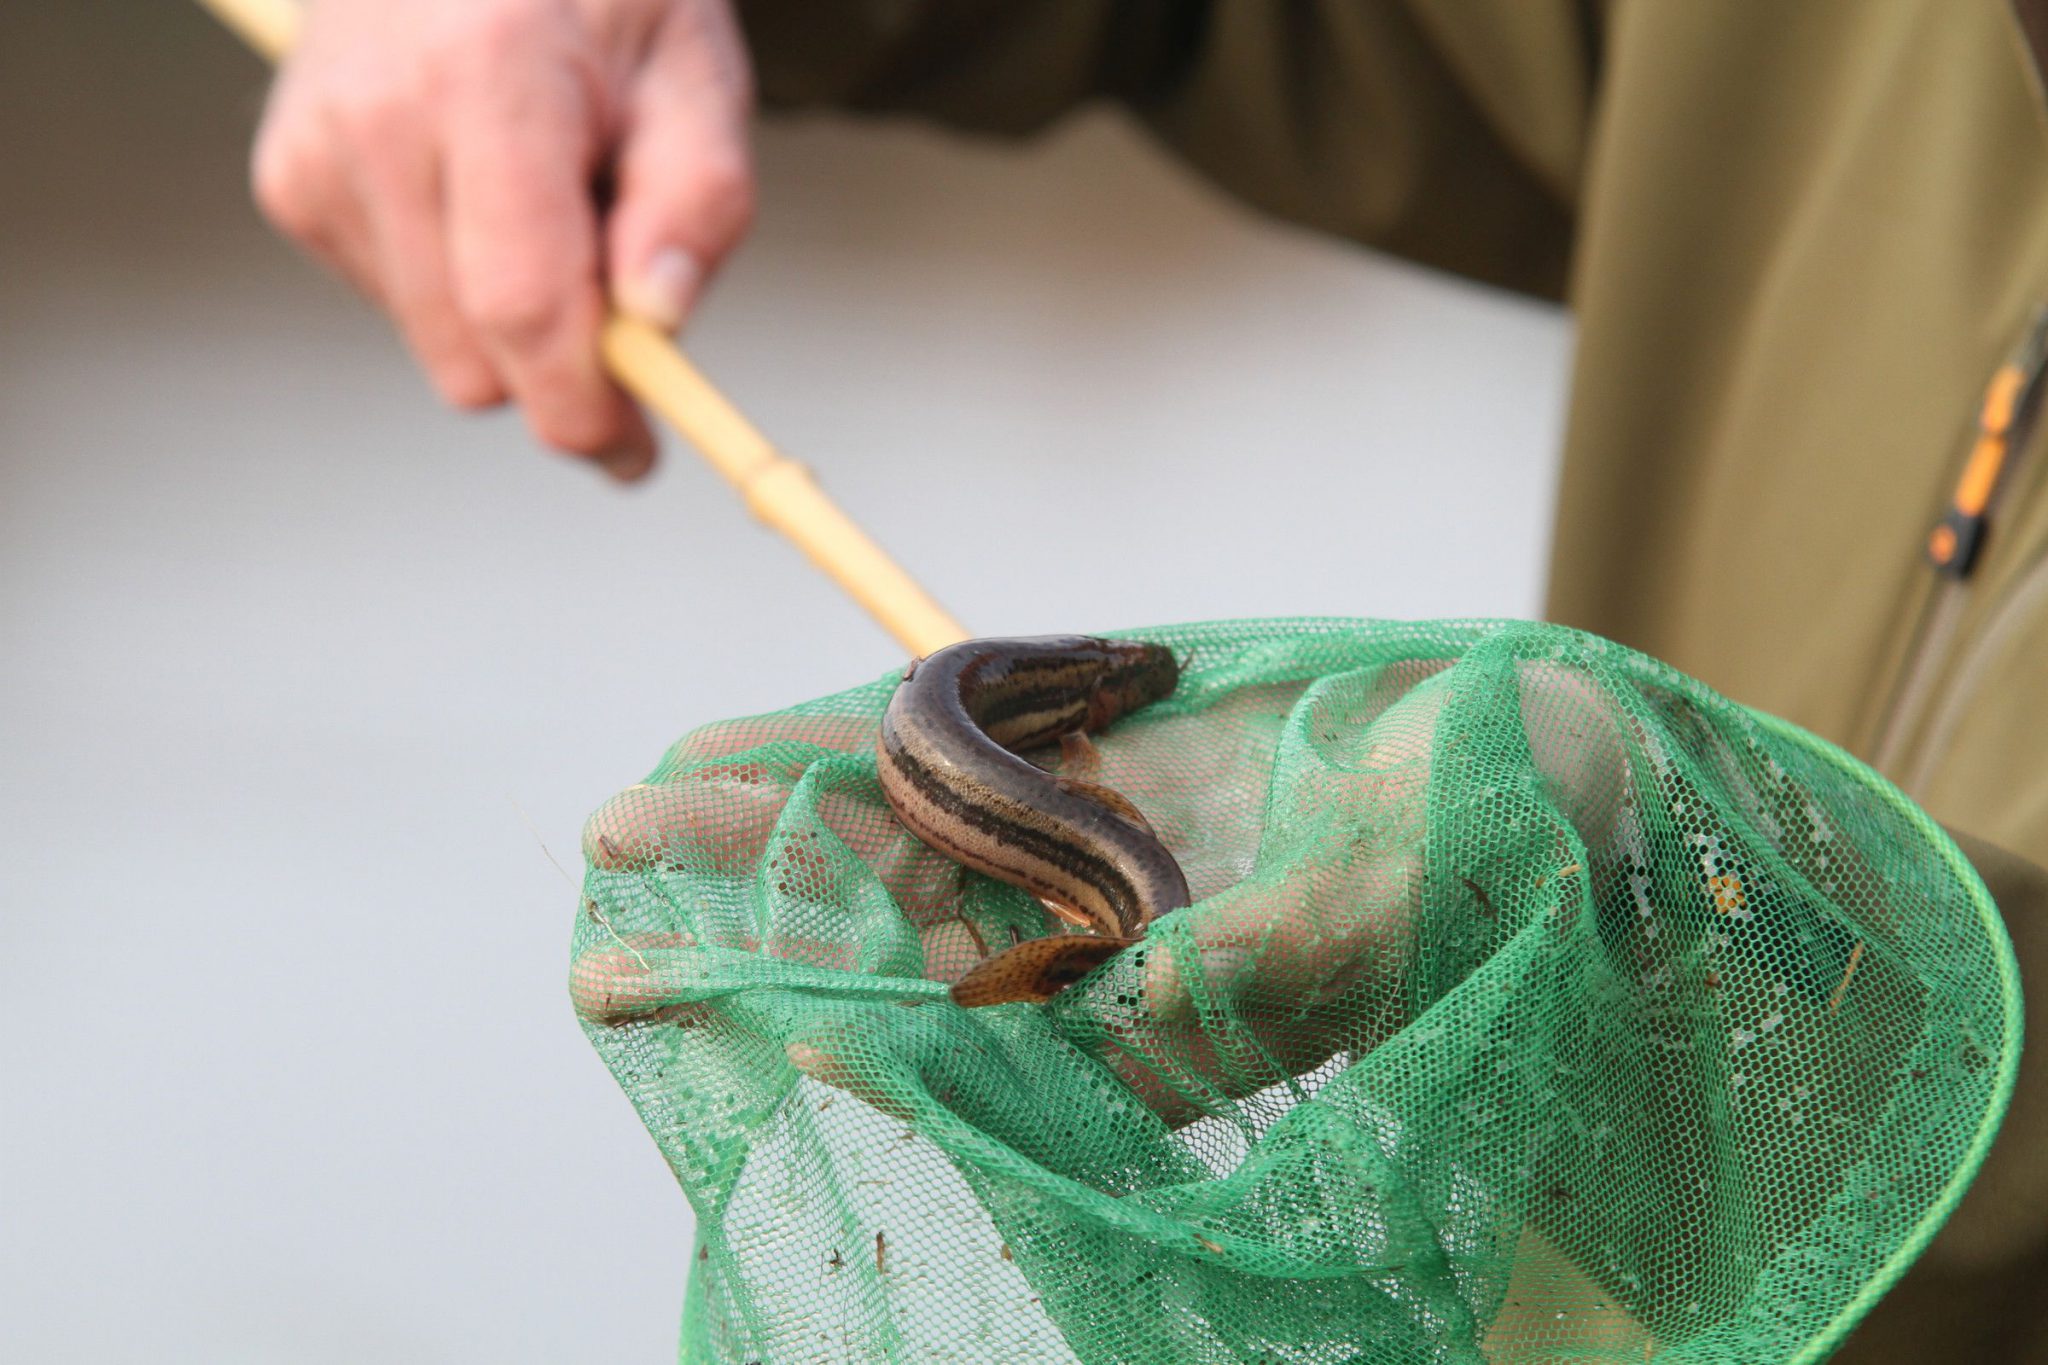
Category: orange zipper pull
[2009,406]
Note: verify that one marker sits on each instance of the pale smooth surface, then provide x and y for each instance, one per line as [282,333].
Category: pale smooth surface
[287,1069]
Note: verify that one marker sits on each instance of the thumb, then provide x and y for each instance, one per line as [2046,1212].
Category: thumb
[685,177]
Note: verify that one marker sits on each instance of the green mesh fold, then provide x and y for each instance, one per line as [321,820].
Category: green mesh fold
[1536,1004]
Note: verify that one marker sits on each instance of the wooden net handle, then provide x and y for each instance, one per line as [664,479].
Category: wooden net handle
[648,365]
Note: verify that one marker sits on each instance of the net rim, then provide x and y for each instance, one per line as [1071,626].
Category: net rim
[2011,1001]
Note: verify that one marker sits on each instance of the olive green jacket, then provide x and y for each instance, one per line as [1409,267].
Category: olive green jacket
[1798,240]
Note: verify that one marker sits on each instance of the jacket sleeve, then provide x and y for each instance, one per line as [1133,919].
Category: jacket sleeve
[1451,132]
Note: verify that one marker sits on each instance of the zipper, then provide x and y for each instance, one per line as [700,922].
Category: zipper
[1955,545]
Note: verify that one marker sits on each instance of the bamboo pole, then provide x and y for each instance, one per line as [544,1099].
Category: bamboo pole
[269,26]
[648,365]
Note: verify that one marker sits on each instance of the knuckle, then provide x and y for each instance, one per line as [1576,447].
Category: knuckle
[492,32]
[520,310]
[282,180]
[379,112]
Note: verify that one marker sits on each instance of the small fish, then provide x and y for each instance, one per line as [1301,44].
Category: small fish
[950,766]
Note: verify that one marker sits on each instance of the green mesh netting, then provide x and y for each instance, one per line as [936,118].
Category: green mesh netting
[1536,1004]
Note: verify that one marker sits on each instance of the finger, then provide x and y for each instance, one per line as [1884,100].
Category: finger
[1301,934]
[852,734]
[620,982]
[684,172]
[1578,738]
[719,818]
[297,179]
[522,239]
[637,975]
[828,1065]
[398,178]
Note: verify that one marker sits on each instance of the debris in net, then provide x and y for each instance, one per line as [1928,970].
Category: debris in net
[1479,894]
[1842,989]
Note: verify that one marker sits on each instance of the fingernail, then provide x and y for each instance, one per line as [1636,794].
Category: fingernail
[626,463]
[661,293]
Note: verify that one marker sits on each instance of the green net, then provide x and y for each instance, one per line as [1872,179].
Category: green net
[1536,1003]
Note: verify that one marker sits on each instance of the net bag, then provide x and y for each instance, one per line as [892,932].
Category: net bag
[1534,1003]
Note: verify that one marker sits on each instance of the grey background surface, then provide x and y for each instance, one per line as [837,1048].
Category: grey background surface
[289,657]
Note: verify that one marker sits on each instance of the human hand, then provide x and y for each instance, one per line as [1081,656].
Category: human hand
[487,171]
[1288,944]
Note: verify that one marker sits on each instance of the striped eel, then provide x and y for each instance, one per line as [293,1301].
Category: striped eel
[950,769]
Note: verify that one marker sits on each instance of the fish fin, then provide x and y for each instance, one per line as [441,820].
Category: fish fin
[1108,797]
[1070,914]
[1035,970]
[1078,755]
